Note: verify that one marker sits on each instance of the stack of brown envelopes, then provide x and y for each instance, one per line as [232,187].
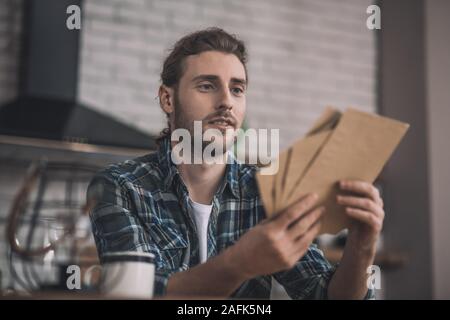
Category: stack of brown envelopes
[348,145]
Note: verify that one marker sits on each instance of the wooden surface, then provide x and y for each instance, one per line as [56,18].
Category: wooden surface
[96,296]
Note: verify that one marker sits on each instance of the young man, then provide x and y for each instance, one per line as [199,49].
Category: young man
[205,223]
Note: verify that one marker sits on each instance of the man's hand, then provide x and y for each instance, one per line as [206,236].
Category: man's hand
[363,204]
[278,243]
[365,207]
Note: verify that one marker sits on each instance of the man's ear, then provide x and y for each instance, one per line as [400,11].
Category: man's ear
[166,98]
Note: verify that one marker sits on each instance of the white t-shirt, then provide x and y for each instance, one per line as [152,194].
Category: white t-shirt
[201,215]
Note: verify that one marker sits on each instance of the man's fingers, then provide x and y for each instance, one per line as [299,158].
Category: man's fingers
[363,188]
[361,203]
[299,227]
[295,211]
[365,217]
[307,238]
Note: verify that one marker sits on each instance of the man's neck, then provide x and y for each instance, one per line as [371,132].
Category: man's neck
[202,180]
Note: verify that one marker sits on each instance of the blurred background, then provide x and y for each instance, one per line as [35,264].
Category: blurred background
[85,98]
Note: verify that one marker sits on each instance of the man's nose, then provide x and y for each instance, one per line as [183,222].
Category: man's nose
[225,99]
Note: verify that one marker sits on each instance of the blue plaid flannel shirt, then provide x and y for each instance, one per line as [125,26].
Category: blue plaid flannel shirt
[143,205]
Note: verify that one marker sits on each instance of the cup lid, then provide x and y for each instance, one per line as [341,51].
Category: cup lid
[127,256]
[130,253]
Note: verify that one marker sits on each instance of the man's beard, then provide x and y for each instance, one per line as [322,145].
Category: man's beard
[182,123]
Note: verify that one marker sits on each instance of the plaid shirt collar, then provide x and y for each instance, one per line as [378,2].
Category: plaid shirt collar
[170,170]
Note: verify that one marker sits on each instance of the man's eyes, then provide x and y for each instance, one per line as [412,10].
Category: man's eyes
[206,87]
[237,91]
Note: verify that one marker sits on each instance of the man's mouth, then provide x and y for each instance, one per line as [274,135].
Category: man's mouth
[222,122]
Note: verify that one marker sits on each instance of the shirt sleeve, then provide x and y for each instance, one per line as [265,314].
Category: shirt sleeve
[310,277]
[116,225]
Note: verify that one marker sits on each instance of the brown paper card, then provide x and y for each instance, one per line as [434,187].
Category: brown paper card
[280,177]
[305,150]
[273,188]
[327,121]
[357,149]
[303,154]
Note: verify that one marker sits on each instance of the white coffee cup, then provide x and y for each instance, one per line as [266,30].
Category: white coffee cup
[128,274]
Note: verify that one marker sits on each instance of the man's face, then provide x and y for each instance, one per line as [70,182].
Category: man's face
[212,90]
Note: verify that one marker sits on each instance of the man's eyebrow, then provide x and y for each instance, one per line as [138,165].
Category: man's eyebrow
[212,77]
[239,81]
[209,77]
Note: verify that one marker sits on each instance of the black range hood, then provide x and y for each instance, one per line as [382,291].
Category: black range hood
[47,106]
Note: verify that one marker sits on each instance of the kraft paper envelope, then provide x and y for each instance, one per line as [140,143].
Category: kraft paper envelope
[327,121]
[272,187]
[358,148]
[280,177]
[302,154]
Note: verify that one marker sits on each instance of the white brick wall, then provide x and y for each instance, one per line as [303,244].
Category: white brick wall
[304,55]
[10,28]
